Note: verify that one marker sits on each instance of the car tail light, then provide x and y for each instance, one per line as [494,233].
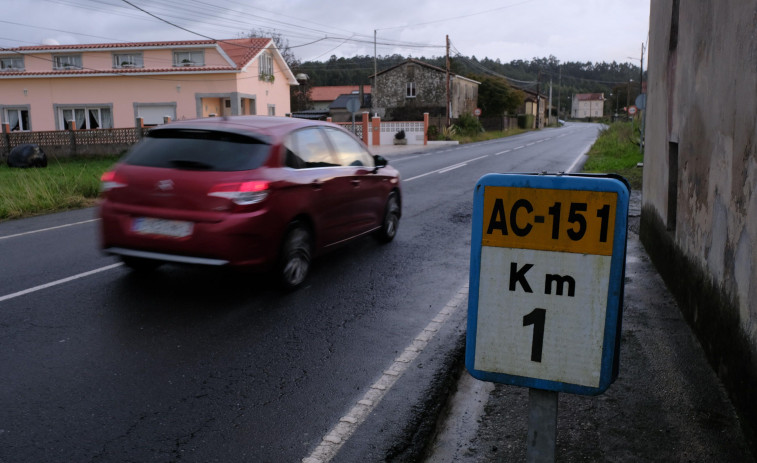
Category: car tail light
[110,180]
[242,193]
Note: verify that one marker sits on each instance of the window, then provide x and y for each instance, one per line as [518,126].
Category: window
[86,118]
[12,63]
[271,109]
[209,150]
[307,148]
[18,119]
[128,60]
[67,62]
[411,89]
[349,152]
[189,58]
[265,67]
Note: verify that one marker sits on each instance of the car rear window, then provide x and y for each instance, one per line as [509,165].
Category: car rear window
[199,150]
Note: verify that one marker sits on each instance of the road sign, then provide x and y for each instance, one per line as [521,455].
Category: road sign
[641,101]
[353,105]
[546,281]
[632,110]
[477,112]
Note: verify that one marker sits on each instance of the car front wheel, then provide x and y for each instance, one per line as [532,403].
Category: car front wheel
[295,257]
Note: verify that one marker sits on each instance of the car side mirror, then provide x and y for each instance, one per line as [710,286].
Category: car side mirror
[380,161]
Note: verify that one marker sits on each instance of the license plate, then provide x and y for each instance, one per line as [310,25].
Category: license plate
[162,227]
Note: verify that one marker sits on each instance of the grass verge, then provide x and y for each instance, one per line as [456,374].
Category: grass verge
[617,151]
[64,184]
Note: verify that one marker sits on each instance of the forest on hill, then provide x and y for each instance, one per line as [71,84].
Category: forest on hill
[613,79]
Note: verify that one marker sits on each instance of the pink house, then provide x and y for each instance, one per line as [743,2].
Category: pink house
[50,87]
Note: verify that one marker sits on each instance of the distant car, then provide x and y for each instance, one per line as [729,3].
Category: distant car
[269,193]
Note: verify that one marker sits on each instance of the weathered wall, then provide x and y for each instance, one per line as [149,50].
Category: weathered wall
[464,97]
[699,218]
[391,88]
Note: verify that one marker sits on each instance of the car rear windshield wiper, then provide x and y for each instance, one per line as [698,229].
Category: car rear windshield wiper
[187,164]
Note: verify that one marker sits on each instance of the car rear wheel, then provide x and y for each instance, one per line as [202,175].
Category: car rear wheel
[391,221]
[295,257]
[140,264]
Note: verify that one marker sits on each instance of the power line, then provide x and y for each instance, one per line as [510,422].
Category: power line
[456,18]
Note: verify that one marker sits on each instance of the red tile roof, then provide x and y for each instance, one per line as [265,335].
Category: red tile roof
[241,51]
[331,93]
[590,96]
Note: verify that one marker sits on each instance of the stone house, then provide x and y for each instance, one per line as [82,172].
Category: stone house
[699,209]
[415,86]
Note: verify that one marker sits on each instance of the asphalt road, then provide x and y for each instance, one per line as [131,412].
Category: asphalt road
[101,365]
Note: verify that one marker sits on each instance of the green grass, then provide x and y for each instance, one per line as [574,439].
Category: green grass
[617,151]
[64,184]
[75,183]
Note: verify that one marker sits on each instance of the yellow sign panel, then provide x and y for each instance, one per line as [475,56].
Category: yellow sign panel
[577,221]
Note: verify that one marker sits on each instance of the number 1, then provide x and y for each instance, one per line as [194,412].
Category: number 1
[537,318]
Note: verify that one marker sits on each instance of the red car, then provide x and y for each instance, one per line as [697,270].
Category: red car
[248,191]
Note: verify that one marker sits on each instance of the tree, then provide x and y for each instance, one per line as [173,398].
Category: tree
[496,97]
[282,44]
[300,96]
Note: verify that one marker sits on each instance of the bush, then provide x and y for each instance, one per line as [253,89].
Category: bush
[525,121]
[468,125]
[400,135]
[433,132]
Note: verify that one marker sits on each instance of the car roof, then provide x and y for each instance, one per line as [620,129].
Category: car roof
[271,126]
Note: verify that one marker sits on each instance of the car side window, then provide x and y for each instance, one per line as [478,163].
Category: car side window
[349,152]
[307,148]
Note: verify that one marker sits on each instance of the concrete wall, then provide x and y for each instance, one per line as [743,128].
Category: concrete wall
[464,98]
[699,217]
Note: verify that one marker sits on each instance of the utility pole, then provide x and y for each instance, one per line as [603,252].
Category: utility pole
[559,87]
[374,90]
[641,71]
[448,95]
[549,110]
[538,100]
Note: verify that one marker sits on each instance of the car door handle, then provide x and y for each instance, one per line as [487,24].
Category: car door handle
[355,182]
[316,184]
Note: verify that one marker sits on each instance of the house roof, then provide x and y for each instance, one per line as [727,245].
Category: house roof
[332,92]
[590,96]
[426,65]
[341,101]
[414,61]
[238,52]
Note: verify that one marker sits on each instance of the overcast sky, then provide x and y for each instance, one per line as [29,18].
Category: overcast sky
[571,30]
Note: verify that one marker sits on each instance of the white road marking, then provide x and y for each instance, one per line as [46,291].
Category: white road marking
[348,424]
[445,169]
[59,282]
[502,152]
[48,229]
[578,159]
[518,147]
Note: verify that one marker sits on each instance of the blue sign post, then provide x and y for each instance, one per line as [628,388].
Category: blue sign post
[546,281]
